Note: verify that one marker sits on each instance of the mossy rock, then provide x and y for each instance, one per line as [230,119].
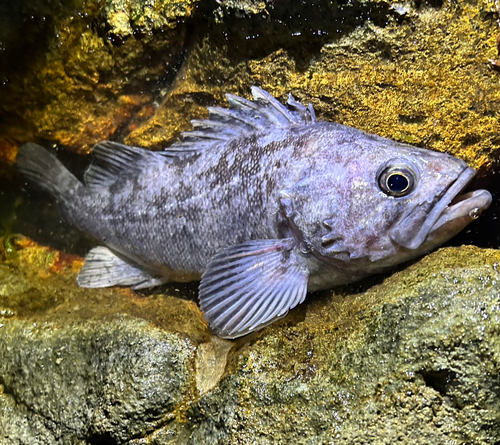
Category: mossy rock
[412,357]
[418,74]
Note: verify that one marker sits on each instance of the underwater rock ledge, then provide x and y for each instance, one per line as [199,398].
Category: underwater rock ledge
[413,357]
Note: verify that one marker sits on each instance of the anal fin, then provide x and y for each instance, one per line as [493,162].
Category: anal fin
[103,268]
[248,286]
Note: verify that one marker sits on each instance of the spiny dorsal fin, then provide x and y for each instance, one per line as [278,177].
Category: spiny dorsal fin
[113,160]
[241,118]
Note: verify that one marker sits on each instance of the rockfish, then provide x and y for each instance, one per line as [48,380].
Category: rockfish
[261,201]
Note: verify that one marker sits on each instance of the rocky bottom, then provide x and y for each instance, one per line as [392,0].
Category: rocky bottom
[411,357]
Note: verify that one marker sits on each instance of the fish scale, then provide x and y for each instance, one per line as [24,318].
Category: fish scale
[263,203]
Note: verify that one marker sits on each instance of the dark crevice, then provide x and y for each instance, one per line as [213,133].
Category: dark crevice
[102,439]
[471,139]
[412,119]
[24,34]
[301,31]
[436,4]
[440,380]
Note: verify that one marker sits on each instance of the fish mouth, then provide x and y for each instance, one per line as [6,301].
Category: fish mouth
[469,205]
[451,213]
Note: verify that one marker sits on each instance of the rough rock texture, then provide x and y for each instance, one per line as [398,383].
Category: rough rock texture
[78,72]
[414,357]
[80,365]
[116,379]
[414,360]
[416,73]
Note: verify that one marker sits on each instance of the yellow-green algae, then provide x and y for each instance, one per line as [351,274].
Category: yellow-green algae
[128,17]
[425,79]
[422,76]
[64,337]
[93,78]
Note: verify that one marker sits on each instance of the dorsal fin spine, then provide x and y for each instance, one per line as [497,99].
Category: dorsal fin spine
[241,118]
[264,96]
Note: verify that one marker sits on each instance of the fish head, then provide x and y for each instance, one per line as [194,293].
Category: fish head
[366,197]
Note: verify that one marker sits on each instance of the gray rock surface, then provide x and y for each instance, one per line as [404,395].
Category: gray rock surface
[411,358]
[116,379]
[83,367]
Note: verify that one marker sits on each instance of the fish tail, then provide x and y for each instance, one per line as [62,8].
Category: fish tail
[43,168]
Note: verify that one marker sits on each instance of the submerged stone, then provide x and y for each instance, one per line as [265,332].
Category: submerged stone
[412,357]
[82,70]
[419,73]
[84,365]
[416,73]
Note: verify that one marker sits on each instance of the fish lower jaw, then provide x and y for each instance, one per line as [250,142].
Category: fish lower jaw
[461,211]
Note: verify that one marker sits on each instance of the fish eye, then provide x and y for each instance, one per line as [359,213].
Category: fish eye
[397,181]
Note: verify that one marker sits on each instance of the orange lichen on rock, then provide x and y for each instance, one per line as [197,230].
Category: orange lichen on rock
[53,275]
[48,261]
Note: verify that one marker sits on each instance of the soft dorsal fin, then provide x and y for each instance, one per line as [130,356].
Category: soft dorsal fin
[113,160]
[241,118]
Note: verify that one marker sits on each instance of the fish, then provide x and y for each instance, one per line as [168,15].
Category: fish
[263,203]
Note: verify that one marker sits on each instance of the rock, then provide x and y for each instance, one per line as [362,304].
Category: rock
[420,75]
[82,365]
[95,379]
[412,357]
[91,67]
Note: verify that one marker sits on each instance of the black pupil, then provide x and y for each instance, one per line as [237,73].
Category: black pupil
[397,183]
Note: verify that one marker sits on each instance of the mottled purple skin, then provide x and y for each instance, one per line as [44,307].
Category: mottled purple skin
[173,216]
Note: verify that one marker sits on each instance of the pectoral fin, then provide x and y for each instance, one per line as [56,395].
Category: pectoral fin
[103,268]
[248,286]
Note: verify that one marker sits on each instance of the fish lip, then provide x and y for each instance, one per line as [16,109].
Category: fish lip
[444,211]
[469,204]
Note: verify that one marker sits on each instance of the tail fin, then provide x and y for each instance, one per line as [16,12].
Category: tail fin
[38,165]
